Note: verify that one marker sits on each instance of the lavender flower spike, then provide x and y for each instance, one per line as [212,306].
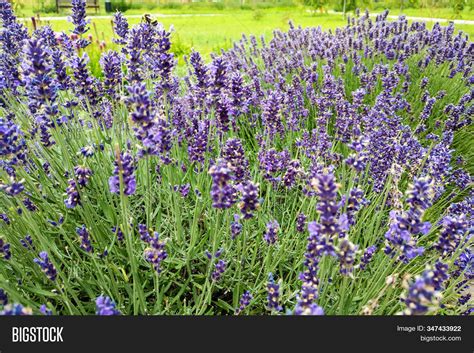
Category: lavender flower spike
[124,168]
[78,17]
[271,234]
[105,306]
[46,265]
[244,302]
[223,193]
[273,294]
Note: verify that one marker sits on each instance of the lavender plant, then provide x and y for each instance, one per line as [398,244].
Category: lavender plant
[324,173]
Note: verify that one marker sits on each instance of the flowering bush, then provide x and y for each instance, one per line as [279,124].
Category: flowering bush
[315,173]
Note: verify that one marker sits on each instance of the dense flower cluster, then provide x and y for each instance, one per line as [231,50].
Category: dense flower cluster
[330,158]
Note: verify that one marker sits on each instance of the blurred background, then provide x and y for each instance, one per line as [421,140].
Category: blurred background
[429,7]
[212,26]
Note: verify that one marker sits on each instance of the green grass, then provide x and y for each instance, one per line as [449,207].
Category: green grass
[209,34]
[447,13]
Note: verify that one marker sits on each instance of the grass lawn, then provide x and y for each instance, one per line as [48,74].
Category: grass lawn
[210,34]
[466,14]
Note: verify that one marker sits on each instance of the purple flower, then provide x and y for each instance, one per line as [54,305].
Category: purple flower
[123,173]
[63,80]
[354,204]
[112,68]
[118,232]
[14,188]
[306,301]
[273,294]
[327,207]
[346,254]
[144,233]
[244,302]
[219,269]
[424,292]
[27,242]
[235,227]
[311,309]
[38,79]
[3,297]
[158,139]
[88,151]
[271,234]
[120,28]
[83,175]
[30,206]
[249,201]
[46,265]
[183,189]
[105,306]
[239,98]
[87,86]
[5,218]
[293,172]
[15,309]
[465,265]
[301,222]
[271,115]
[219,78]
[73,197]
[140,105]
[233,153]
[155,253]
[85,238]
[162,62]
[12,37]
[45,311]
[198,143]
[216,255]
[12,143]
[223,193]
[200,71]
[5,249]
[78,17]
[367,257]
[406,225]
[450,237]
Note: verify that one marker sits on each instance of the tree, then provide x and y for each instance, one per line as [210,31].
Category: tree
[316,4]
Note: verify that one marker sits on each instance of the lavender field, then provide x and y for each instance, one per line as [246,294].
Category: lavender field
[313,173]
